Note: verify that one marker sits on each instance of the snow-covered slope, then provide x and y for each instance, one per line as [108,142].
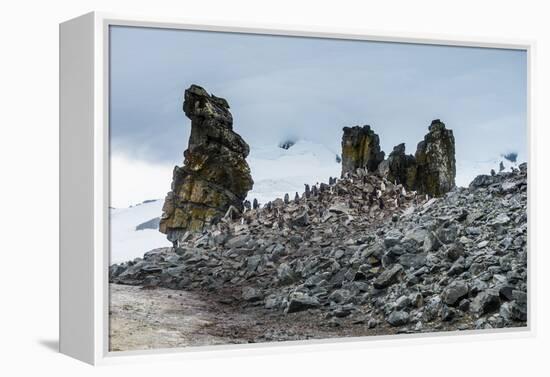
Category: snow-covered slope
[127,242]
[277,171]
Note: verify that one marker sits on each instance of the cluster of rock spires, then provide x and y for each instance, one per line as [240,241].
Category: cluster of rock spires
[364,252]
[430,171]
[369,249]
[215,176]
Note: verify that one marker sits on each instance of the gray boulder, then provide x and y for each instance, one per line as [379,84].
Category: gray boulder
[454,292]
[398,318]
[285,274]
[485,302]
[388,277]
[252,294]
[299,301]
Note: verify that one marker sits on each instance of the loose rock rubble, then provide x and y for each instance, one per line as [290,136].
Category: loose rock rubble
[363,252]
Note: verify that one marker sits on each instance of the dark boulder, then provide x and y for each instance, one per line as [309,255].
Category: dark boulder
[483,180]
[454,292]
[388,277]
[485,302]
[398,318]
[300,301]
[150,224]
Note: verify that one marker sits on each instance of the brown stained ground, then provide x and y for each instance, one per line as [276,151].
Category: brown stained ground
[163,318]
[142,319]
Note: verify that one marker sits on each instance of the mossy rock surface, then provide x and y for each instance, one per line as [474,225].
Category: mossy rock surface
[360,149]
[215,174]
[435,157]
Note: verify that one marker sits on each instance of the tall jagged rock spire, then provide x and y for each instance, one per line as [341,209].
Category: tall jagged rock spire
[435,159]
[360,149]
[215,174]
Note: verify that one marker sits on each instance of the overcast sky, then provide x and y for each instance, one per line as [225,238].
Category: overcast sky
[289,87]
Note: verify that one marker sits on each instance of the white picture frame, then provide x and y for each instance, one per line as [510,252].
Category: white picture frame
[84,179]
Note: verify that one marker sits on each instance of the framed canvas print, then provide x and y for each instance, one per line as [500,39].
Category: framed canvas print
[227,188]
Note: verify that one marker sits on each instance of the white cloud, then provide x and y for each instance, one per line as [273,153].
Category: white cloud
[306,88]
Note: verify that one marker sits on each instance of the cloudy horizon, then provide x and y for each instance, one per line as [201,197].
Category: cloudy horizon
[304,88]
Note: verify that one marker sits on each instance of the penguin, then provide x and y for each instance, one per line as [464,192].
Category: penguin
[307,191]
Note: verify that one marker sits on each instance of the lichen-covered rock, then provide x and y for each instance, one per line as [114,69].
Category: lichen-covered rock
[215,174]
[360,149]
[435,159]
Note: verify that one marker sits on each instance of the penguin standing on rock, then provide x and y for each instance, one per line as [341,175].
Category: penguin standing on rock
[314,190]
[307,191]
[372,197]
